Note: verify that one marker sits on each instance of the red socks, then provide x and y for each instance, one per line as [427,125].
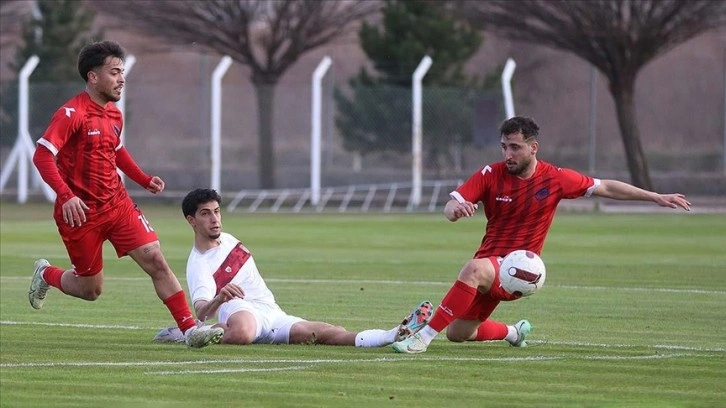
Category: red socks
[491,330]
[52,276]
[454,304]
[179,308]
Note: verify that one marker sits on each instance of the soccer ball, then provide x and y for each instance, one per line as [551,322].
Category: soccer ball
[522,273]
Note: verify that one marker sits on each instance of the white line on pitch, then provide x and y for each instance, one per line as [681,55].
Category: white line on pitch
[77,325]
[532,342]
[606,345]
[427,283]
[332,361]
[236,370]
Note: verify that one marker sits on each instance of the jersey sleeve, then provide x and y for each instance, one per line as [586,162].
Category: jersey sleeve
[575,184]
[199,280]
[64,123]
[474,187]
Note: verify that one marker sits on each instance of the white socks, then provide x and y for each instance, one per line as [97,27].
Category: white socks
[512,334]
[375,337]
[427,334]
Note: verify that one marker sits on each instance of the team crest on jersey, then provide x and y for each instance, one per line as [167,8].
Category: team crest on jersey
[542,194]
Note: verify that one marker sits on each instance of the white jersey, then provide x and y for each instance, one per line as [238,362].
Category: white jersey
[208,272]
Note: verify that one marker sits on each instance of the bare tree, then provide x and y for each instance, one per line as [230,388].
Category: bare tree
[268,36]
[619,37]
[12,15]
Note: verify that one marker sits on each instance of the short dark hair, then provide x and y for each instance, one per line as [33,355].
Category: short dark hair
[94,55]
[199,196]
[527,126]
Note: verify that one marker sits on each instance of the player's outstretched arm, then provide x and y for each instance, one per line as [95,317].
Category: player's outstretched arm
[619,190]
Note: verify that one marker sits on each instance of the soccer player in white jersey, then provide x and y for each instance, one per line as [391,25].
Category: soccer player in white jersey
[224,282]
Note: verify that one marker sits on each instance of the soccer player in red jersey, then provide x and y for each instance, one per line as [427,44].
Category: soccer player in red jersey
[520,197]
[78,156]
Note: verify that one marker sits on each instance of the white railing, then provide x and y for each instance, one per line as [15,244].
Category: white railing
[387,197]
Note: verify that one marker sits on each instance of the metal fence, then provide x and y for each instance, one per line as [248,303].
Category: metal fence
[168,132]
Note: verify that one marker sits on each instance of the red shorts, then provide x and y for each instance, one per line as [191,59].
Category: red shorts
[485,303]
[122,224]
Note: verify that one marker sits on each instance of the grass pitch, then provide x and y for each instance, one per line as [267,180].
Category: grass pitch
[631,315]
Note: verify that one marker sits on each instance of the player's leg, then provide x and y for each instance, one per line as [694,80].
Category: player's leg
[476,276]
[150,258]
[305,332]
[475,324]
[240,328]
[85,247]
[133,235]
[238,318]
[491,330]
[476,319]
[463,330]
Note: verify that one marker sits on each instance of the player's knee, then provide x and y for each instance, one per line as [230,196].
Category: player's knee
[238,336]
[455,336]
[90,293]
[158,267]
[477,274]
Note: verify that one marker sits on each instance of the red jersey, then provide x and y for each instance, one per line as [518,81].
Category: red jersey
[84,138]
[519,212]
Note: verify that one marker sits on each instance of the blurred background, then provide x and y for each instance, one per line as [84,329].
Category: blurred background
[568,69]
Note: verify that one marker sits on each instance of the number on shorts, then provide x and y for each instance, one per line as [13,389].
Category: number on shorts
[145,223]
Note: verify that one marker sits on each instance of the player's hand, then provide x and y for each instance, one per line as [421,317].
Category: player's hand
[673,201]
[156,185]
[465,209]
[231,291]
[74,212]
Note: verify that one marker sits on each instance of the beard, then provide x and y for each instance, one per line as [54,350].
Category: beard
[111,96]
[519,168]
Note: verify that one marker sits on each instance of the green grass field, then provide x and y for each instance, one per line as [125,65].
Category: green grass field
[632,314]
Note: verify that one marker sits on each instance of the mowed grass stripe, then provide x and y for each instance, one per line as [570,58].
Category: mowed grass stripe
[628,317]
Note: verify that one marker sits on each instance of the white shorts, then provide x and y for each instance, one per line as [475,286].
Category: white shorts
[273,324]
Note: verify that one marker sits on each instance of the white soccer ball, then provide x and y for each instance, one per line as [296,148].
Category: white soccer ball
[522,273]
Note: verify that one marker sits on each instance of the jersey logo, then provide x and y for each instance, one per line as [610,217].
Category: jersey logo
[486,170]
[231,266]
[69,110]
[542,194]
[94,132]
[506,198]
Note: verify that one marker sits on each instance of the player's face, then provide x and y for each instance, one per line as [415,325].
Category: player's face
[518,154]
[208,220]
[108,80]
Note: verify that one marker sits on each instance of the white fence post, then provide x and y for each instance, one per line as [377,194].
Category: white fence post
[22,153]
[507,87]
[316,126]
[216,142]
[417,130]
